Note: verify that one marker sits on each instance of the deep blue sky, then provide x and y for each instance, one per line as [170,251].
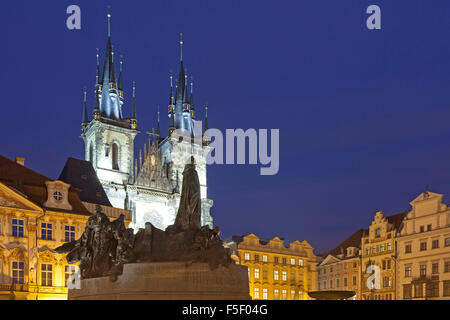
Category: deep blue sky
[363,115]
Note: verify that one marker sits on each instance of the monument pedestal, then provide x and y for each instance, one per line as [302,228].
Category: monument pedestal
[168,281]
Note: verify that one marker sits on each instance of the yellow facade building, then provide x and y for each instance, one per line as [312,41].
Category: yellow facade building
[38,214]
[276,271]
[424,250]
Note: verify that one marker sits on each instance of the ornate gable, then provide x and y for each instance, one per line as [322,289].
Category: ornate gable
[13,199]
[427,203]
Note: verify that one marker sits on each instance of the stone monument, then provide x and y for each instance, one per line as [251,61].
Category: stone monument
[185,261]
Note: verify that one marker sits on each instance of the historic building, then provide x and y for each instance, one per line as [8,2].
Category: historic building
[148,184]
[424,250]
[38,214]
[379,250]
[276,271]
[340,269]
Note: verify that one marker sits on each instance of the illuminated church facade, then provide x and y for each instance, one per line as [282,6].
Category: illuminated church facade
[147,182]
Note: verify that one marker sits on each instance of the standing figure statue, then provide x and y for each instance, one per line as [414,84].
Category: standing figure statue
[189,211]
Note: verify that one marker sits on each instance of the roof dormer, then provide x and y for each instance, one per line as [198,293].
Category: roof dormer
[58,195]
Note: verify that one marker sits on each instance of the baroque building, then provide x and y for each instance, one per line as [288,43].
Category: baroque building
[276,271]
[148,184]
[424,250]
[38,214]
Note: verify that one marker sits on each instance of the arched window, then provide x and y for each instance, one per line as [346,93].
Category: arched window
[115,156]
[91,154]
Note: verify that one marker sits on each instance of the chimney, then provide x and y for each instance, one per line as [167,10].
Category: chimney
[20,161]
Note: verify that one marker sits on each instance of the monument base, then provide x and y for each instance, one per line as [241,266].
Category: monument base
[168,281]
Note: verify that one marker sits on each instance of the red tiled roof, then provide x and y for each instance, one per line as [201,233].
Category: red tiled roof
[353,241]
[32,184]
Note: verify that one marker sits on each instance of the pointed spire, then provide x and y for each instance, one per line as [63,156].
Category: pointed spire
[185,94]
[85,117]
[171,102]
[181,46]
[206,117]
[133,109]
[97,75]
[181,75]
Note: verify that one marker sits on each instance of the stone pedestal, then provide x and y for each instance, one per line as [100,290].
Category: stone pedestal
[168,281]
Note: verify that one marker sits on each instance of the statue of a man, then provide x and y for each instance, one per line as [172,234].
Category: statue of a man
[189,211]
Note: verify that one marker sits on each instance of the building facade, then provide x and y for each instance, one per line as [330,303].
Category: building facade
[424,250]
[38,214]
[276,271]
[379,257]
[147,182]
[341,268]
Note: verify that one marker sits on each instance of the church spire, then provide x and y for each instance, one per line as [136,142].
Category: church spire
[97,74]
[181,74]
[205,136]
[84,121]
[133,109]
[120,83]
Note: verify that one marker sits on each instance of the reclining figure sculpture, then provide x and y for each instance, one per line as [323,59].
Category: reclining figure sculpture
[105,246]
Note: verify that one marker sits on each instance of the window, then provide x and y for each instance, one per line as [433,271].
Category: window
[69,271]
[446,266]
[256,293]
[429,227]
[422,229]
[115,156]
[69,233]
[432,289]
[378,232]
[276,294]
[408,248]
[446,284]
[284,276]
[389,264]
[57,196]
[418,290]
[284,260]
[17,228]
[248,272]
[284,294]
[435,268]
[300,262]
[275,260]
[389,247]
[256,257]
[246,256]
[447,241]
[345,282]
[331,284]
[423,246]
[264,257]
[292,294]
[292,276]
[384,264]
[46,231]
[386,282]
[407,291]
[338,283]
[18,272]
[374,249]
[300,295]
[293,261]
[355,264]
[435,244]
[265,297]
[264,274]
[382,248]
[407,271]
[423,269]
[256,273]
[46,274]
[367,251]
[275,275]
[354,280]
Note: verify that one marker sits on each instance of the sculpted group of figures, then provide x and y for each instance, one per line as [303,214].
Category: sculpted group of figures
[106,246]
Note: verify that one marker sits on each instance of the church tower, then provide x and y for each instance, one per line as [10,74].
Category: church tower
[109,137]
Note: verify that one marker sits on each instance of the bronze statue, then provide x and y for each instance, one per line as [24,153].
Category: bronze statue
[106,246]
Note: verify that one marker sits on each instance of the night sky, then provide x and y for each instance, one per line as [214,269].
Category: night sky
[363,115]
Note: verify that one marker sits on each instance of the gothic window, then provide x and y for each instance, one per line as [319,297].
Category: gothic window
[115,156]
[91,154]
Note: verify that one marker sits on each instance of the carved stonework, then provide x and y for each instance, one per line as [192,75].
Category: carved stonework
[7,201]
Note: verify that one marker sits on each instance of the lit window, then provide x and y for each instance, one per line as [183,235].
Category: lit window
[276,294]
[284,276]
[18,272]
[284,294]
[69,233]
[46,275]
[69,271]
[46,231]
[246,256]
[256,273]
[256,293]
[389,247]
[293,294]
[264,258]
[300,295]
[17,228]
[292,261]
[300,262]
[275,275]
[265,293]
[374,249]
[57,196]
[382,248]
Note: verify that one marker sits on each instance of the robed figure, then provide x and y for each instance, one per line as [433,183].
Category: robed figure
[189,211]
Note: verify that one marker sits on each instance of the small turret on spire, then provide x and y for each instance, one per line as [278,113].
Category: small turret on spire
[97,75]
[206,139]
[133,109]
[120,83]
